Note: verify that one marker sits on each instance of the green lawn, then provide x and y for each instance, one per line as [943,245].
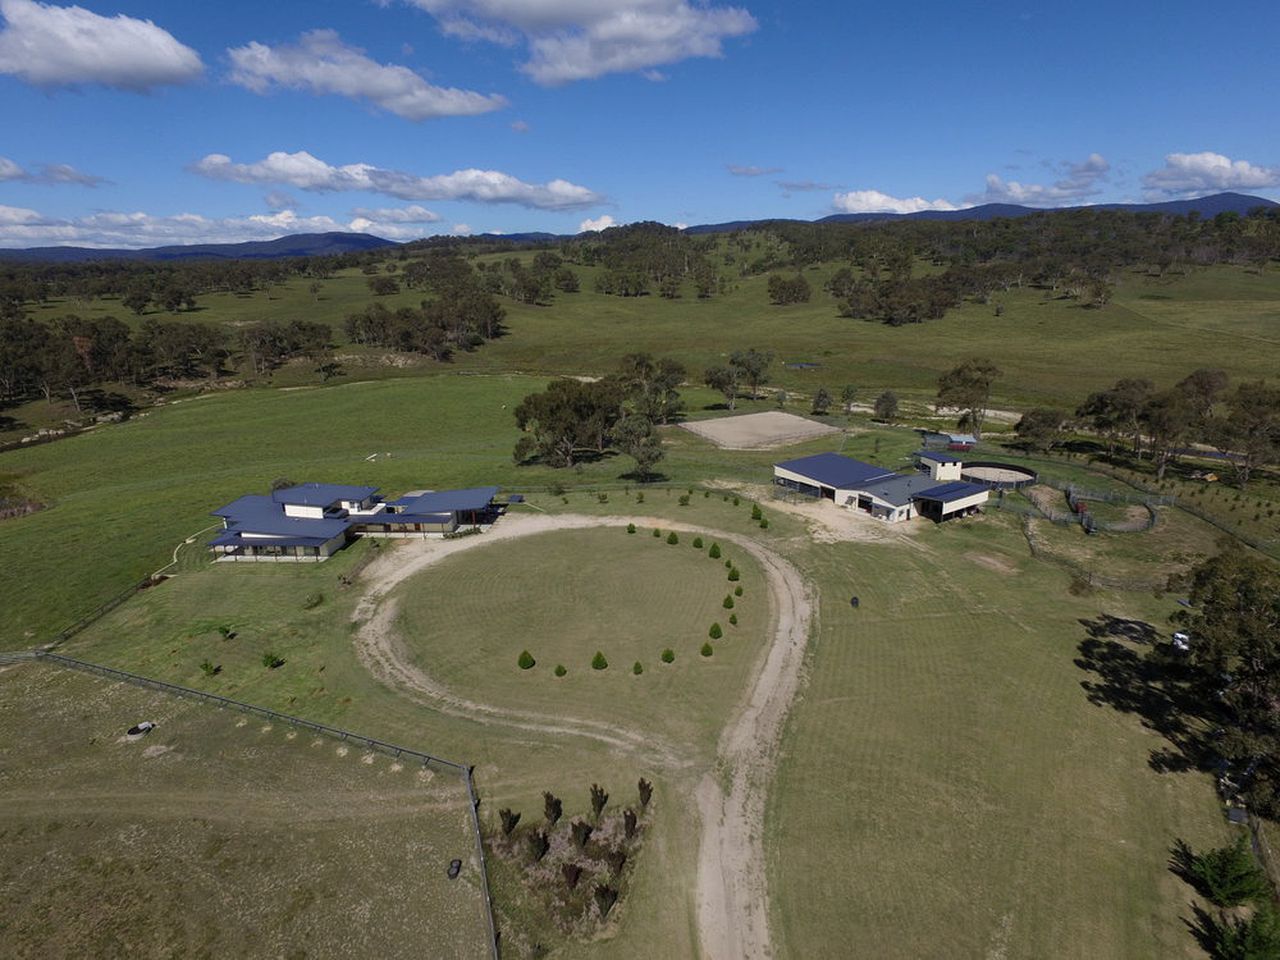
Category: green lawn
[563,596]
[218,834]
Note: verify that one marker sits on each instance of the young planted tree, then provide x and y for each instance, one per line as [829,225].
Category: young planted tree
[822,401]
[848,397]
[715,633]
[581,832]
[572,873]
[668,655]
[598,662]
[552,808]
[538,845]
[714,552]
[525,660]
[605,897]
[673,538]
[598,799]
[509,820]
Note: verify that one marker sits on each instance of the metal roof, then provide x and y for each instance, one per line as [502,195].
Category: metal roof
[450,501]
[900,489]
[257,513]
[939,456]
[233,538]
[320,494]
[947,492]
[835,470]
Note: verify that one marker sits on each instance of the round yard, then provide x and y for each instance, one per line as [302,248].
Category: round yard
[565,595]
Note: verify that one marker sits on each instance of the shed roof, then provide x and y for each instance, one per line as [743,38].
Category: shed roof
[948,492]
[320,494]
[233,538]
[450,501]
[938,456]
[900,489]
[836,470]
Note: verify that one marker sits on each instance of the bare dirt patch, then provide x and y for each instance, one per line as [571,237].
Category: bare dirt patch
[758,431]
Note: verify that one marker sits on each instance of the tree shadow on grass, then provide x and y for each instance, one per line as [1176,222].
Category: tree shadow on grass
[1146,682]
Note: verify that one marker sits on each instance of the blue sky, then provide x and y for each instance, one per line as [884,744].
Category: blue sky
[138,122]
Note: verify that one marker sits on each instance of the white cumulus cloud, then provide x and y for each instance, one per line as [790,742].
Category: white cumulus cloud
[321,63]
[306,172]
[49,174]
[873,201]
[53,46]
[410,214]
[1190,174]
[1077,183]
[599,223]
[572,40]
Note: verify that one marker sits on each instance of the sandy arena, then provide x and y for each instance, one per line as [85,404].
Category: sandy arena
[758,431]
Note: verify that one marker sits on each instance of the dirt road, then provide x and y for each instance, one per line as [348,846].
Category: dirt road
[732,895]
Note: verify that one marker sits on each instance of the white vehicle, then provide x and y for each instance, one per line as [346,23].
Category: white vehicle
[1181,643]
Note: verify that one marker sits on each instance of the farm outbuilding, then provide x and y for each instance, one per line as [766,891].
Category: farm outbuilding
[884,494]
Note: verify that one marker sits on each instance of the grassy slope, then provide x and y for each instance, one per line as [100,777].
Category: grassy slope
[946,781]
[238,838]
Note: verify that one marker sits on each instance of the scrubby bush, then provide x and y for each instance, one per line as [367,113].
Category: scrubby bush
[755,511]
[736,501]
[733,618]
[706,650]
[728,564]
[629,823]
[581,832]
[631,528]
[734,575]
[571,873]
[210,669]
[271,661]
[637,668]
[657,533]
[561,670]
[640,497]
[714,552]
[672,538]
[764,523]
[538,845]
[645,788]
[715,633]
[552,808]
[668,655]
[226,632]
[697,543]
[599,797]
[605,896]
[509,820]
[602,497]
[684,499]
[737,591]
[728,602]
[598,662]
[312,601]
[525,660]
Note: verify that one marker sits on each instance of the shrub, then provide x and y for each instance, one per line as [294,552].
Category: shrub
[271,661]
[728,564]
[581,831]
[728,602]
[605,896]
[210,670]
[755,511]
[312,601]
[697,543]
[538,845]
[706,494]
[598,662]
[226,632]
[637,668]
[672,538]
[737,591]
[706,650]
[734,575]
[715,633]
[657,533]
[684,499]
[640,496]
[668,655]
[736,501]
[525,660]
[1229,876]
[629,823]
[631,528]
[598,799]
[552,808]
[602,497]
[645,789]
[714,552]
[560,670]
[509,820]
[733,618]
[571,872]
[617,859]
[764,523]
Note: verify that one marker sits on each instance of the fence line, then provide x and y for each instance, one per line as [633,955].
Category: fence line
[1092,578]
[97,613]
[347,736]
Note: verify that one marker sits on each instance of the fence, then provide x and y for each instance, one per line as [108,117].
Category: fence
[347,736]
[98,612]
[1083,573]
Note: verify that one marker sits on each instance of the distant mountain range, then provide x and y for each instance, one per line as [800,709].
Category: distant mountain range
[296,245]
[321,244]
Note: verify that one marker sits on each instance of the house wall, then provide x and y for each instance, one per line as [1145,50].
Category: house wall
[944,471]
[297,510]
[975,500]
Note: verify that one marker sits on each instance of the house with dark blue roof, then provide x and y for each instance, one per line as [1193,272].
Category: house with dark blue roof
[884,494]
[312,521]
